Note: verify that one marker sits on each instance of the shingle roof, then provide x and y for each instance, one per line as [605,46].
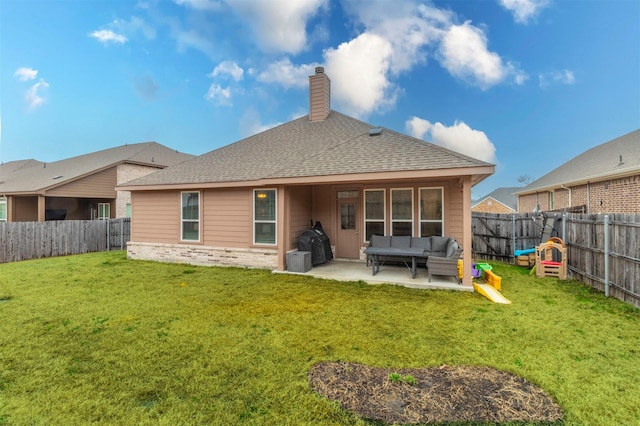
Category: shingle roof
[300,148]
[32,175]
[620,156]
[503,195]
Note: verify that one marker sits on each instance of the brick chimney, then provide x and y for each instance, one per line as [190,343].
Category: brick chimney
[319,95]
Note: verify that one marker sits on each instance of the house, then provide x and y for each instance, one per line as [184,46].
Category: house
[603,179]
[500,200]
[81,187]
[247,203]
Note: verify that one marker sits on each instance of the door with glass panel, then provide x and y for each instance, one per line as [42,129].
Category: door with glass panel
[348,243]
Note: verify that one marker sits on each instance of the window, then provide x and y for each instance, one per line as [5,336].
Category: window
[104,210]
[431,218]
[402,212]
[374,219]
[264,216]
[3,209]
[127,210]
[190,216]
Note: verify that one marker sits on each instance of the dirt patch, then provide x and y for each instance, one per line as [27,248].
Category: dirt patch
[438,394]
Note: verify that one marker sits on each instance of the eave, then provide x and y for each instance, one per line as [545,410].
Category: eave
[477,174]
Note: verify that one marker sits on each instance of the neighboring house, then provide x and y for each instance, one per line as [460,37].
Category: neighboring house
[81,187]
[501,200]
[247,203]
[604,179]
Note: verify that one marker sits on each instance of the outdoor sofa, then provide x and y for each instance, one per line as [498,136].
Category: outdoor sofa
[439,254]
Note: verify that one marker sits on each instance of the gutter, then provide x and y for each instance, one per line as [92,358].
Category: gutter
[583,181]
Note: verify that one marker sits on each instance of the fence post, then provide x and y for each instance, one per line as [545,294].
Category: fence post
[606,255]
[564,226]
[513,230]
[108,234]
[121,233]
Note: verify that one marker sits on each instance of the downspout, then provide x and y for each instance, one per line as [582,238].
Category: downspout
[588,199]
[568,189]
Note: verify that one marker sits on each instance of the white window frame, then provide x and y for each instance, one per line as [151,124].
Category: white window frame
[392,220]
[274,221]
[420,220]
[384,209]
[3,201]
[100,208]
[183,220]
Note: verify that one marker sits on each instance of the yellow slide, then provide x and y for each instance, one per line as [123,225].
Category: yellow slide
[491,293]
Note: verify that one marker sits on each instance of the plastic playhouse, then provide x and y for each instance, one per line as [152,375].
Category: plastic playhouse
[492,282]
[551,259]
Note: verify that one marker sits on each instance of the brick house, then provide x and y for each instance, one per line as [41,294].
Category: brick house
[603,179]
[81,187]
[500,200]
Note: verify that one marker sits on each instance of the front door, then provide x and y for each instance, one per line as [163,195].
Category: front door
[348,244]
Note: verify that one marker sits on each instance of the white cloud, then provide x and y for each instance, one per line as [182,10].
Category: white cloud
[251,123]
[33,96]
[359,74]
[133,26]
[524,10]
[464,53]
[211,5]
[286,74]
[459,137]
[25,74]
[108,36]
[279,26]
[219,95]
[556,77]
[228,68]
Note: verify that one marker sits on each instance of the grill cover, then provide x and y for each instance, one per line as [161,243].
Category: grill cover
[314,240]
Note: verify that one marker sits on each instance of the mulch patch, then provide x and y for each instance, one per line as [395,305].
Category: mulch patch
[440,394]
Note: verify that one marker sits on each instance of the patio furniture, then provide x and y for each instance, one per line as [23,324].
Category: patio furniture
[447,264]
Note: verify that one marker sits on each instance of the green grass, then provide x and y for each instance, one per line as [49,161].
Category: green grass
[101,339]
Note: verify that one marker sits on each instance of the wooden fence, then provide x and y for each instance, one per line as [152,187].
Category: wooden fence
[497,236]
[33,240]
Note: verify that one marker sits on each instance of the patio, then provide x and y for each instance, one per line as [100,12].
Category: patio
[345,270]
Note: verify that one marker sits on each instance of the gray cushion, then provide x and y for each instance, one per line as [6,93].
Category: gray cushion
[452,246]
[403,241]
[381,241]
[422,242]
[439,243]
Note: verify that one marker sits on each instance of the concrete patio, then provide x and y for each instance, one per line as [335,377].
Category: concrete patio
[345,270]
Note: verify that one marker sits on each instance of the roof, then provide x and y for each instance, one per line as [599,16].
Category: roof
[616,158]
[31,175]
[338,145]
[502,195]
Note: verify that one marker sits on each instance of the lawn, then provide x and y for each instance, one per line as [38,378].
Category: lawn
[101,339]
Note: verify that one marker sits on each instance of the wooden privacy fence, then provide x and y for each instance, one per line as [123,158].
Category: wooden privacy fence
[33,240]
[604,256]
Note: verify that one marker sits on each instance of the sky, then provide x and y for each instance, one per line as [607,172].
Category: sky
[524,84]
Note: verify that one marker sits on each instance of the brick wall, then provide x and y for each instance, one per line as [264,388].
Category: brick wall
[203,255]
[610,196]
[491,206]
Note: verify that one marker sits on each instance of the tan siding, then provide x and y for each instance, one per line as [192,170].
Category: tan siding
[25,209]
[301,213]
[155,217]
[125,173]
[319,97]
[97,185]
[453,214]
[227,217]
[323,209]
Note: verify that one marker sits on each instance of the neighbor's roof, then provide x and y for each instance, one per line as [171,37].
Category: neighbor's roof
[616,158]
[26,176]
[503,196]
[338,145]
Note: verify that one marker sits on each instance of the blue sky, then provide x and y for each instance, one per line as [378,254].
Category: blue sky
[524,84]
